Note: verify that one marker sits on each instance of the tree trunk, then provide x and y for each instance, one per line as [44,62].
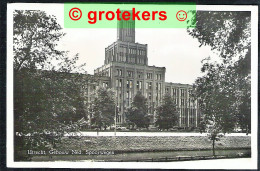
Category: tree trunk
[213,145]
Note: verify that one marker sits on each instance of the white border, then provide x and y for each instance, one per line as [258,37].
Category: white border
[248,163]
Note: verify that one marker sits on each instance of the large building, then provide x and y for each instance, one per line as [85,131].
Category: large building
[127,71]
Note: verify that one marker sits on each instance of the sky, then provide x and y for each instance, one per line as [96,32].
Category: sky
[170,48]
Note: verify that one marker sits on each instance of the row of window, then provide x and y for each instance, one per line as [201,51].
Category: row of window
[120,58]
[131,74]
[175,92]
[190,102]
[184,116]
[123,51]
[133,51]
[130,59]
[129,84]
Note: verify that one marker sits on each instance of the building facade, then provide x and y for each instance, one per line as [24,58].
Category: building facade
[127,71]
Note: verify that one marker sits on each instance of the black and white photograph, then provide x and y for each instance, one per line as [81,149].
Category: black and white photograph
[129,97]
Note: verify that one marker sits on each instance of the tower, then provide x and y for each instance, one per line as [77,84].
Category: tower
[126,30]
[126,64]
[125,49]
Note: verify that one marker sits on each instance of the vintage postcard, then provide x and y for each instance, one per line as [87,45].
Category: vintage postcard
[125,85]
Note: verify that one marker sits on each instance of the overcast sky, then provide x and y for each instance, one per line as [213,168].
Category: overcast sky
[170,48]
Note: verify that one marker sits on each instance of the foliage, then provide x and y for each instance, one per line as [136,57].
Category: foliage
[137,113]
[102,108]
[213,133]
[35,40]
[167,114]
[226,32]
[202,125]
[224,90]
[47,104]
[35,37]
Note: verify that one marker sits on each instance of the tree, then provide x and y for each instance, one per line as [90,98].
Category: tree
[227,32]
[213,133]
[217,96]
[167,114]
[137,113]
[35,39]
[47,104]
[102,108]
[202,125]
[224,90]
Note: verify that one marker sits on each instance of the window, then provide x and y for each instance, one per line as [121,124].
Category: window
[130,73]
[174,92]
[117,83]
[150,96]
[105,84]
[149,76]
[182,92]
[150,85]
[120,83]
[139,85]
[127,94]
[140,74]
[127,84]
[167,90]
[182,102]
[131,84]
[132,51]
[158,76]
[190,92]
[119,72]
[175,101]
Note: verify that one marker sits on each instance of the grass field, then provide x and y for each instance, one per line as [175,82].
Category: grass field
[145,147]
[154,143]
